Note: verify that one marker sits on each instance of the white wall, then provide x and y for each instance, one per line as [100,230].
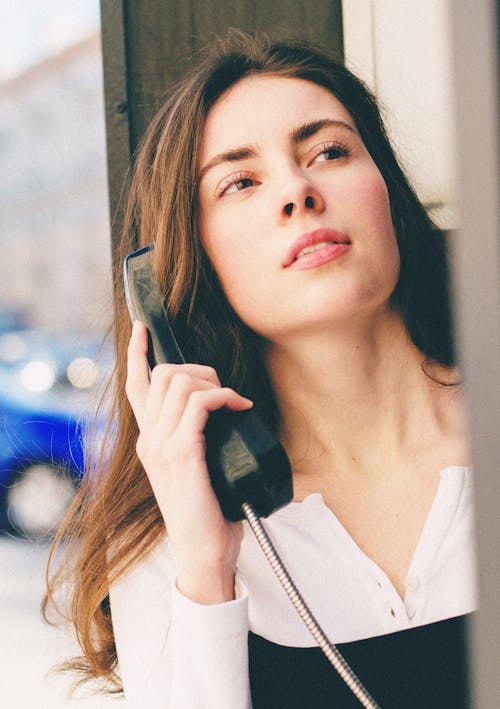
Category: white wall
[401,48]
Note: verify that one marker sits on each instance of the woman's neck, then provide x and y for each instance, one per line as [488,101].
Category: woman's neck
[357,400]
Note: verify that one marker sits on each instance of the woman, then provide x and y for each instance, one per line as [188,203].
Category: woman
[301,272]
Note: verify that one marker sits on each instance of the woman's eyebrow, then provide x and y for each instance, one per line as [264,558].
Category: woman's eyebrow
[297,135]
[307,130]
[232,155]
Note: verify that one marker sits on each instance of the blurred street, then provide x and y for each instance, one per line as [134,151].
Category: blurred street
[28,647]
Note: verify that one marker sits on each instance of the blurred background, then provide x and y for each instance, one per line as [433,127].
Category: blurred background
[55,306]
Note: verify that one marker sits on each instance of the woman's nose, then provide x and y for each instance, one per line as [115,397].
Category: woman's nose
[302,197]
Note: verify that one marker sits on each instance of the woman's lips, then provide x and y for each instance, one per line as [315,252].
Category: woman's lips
[316,248]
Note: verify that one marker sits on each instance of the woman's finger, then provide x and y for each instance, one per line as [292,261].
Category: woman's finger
[202,402]
[169,395]
[161,379]
[137,384]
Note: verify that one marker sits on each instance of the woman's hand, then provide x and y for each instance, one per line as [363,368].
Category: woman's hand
[172,407]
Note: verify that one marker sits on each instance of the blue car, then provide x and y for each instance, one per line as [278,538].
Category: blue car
[49,388]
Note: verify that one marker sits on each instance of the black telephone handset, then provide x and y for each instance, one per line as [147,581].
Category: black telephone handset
[246,463]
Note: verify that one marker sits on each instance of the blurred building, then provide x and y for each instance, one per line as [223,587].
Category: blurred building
[54,226]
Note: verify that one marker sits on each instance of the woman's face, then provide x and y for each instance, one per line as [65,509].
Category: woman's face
[294,213]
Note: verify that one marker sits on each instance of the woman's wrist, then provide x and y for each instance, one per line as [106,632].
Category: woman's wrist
[207,587]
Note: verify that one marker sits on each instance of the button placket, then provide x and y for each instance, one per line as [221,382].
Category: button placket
[413,595]
[389,600]
[390,608]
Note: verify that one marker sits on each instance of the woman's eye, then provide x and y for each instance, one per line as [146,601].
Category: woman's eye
[330,152]
[234,184]
[240,185]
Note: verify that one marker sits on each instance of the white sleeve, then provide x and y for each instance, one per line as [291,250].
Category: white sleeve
[173,653]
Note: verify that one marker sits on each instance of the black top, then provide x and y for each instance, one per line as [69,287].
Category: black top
[421,668]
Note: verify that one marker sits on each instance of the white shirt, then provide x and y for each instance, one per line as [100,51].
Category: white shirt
[176,654]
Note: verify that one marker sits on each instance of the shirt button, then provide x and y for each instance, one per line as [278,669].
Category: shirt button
[412,583]
[410,610]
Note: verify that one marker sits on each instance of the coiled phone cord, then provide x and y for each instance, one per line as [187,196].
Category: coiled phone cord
[328,648]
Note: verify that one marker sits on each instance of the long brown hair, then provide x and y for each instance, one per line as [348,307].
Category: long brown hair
[114,520]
